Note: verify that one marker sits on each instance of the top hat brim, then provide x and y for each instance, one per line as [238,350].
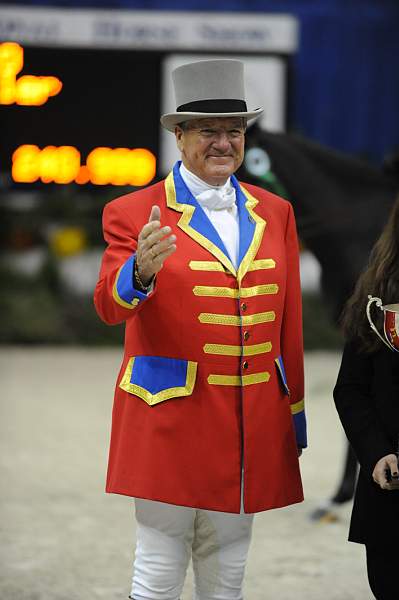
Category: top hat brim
[170,120]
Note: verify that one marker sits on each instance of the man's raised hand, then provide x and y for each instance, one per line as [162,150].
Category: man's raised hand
[153,247]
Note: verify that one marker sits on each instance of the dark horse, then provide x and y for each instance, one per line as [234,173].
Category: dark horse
[341,204]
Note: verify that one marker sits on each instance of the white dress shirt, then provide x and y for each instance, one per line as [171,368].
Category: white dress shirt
[219,204]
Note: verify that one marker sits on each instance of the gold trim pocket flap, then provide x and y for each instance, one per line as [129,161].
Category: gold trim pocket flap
[155,379]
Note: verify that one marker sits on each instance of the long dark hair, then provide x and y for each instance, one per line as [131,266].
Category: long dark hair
[380,278]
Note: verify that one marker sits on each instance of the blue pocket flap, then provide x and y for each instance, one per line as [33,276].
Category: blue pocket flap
[156,378]
[281,372]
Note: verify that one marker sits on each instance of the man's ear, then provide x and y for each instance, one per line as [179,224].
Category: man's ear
[179,133]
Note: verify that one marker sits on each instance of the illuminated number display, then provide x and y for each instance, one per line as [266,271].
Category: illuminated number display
[62,164]
[28,90]
[105,166]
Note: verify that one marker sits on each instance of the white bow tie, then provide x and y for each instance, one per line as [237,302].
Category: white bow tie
[217,199]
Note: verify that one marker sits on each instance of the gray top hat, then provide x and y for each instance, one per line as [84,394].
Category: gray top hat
[209,88]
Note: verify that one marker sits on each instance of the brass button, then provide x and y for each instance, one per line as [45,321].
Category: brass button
[246,335]
[245,365]
[243,307]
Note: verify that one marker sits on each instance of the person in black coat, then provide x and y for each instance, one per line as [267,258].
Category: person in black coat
[366,396]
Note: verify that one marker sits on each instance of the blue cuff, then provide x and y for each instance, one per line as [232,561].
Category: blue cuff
[124,292]
[300,429]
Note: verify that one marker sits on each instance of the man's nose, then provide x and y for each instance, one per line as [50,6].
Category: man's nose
[222,139]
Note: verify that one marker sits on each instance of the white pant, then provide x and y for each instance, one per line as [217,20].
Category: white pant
[168,535]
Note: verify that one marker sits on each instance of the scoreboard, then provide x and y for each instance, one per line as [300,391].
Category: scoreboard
[102,111]
[104,80]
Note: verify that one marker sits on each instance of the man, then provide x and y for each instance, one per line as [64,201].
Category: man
[208,418]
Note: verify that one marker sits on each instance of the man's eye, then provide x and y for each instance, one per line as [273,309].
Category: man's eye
[235,132]
[207,132]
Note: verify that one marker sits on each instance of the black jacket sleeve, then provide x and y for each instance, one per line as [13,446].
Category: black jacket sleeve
[355,403]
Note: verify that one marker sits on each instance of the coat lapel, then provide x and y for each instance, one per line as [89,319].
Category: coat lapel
[196,224]
[252,227]
[194,221]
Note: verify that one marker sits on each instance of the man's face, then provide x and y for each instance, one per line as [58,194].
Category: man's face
[213,148]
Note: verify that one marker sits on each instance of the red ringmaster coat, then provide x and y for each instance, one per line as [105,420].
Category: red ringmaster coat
[211,382]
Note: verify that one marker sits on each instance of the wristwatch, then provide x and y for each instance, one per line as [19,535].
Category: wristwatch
[138,284]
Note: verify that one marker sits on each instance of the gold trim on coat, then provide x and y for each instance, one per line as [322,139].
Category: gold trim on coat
[259,290]
[227,292]
[238,320]
[226,350]
[262,263]
[205,265]
[257,237]
[239,380]
[184,224]
[151,399]
[120,300]
[215,292]
[298,407]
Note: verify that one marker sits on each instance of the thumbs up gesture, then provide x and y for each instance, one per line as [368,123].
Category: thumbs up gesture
[154,246]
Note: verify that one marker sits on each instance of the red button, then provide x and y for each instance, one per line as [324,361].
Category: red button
[245,365]
[243,307]
[246,335]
